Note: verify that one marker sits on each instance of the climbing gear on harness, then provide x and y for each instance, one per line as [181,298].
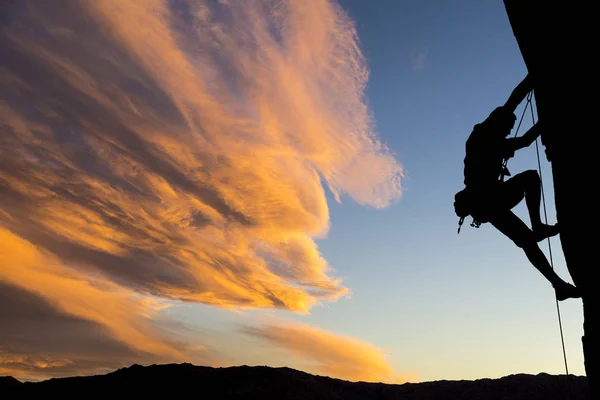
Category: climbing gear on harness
[463,207]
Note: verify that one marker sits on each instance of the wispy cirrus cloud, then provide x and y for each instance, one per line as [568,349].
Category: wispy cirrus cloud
[418,60]
[180,150]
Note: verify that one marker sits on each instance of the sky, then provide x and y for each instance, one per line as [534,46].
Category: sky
[262,183]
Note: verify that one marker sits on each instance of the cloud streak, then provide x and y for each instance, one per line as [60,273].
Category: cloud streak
[180,150]
[328,353]
[418,60]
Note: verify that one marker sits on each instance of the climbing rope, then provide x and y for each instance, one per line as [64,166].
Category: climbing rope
[530,106]
[477,223]
[537,150]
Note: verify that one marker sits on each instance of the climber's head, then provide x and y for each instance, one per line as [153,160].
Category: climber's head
[501,120]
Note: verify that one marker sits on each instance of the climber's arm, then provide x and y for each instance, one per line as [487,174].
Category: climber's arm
[519,93]
[514,144]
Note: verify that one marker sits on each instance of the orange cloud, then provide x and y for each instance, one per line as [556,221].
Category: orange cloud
[82,295]
[330,354]
[193,154]
[57,321]
[180,150]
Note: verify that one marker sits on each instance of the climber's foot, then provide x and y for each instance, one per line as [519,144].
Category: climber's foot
[566,291]
[544,231]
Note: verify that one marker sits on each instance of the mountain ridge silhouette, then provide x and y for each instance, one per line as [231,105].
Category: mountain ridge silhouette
[283,383]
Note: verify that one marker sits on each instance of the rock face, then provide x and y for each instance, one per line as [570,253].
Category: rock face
[267,383]
[558,45]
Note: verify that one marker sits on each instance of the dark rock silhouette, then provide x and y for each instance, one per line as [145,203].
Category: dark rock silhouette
[557,41]
[268,383]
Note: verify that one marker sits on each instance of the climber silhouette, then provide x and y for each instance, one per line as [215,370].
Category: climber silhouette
[491,199]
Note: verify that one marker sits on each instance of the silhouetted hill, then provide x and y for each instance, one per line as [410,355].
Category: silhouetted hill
[268,383]
[9,381]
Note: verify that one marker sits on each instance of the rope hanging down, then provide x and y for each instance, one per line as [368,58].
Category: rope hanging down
[537,150]
[530,105]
